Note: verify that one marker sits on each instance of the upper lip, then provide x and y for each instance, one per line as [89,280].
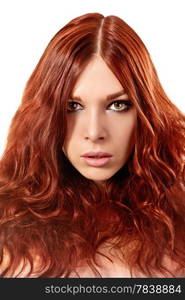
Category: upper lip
[97,154]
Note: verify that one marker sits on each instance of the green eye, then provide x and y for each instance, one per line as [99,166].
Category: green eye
[72,106]
[119,106]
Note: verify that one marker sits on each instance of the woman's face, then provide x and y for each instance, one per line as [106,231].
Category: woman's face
[99,121]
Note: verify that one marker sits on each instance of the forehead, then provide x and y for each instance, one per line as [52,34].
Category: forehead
[97,80]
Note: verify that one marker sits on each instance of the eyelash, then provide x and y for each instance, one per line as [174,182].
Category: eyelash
[125,102]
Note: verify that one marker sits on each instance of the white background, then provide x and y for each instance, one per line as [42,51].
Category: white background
[26,27]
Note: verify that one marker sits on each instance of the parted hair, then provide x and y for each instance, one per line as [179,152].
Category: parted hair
[48,211]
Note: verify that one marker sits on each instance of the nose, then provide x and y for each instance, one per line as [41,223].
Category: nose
[95,127]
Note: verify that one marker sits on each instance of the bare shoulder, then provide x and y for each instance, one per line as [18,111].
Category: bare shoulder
[173,267]
[23,269]
[5,261]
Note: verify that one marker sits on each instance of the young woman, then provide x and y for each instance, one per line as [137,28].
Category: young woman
[92,180]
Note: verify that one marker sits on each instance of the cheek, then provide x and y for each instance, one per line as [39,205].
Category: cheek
[69,138]
[124,138]
[71,142]
[124,129]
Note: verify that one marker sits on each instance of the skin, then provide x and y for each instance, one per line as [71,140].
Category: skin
[98,124]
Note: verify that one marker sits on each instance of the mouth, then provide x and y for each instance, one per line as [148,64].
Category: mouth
[95,161]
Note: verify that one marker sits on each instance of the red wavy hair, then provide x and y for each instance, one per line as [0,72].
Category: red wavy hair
[45,209]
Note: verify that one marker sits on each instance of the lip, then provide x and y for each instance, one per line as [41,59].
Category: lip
[97,162]
[98,154]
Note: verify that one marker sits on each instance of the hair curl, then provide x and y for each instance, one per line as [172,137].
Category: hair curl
[46,213]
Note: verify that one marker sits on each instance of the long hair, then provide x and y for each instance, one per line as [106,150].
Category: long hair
[49,212]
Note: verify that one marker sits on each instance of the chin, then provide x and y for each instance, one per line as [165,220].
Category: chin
[98,175]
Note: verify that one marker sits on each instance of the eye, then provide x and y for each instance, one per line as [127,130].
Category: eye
[121,105]
[72,105]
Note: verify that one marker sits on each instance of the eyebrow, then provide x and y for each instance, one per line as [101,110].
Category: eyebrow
[109,97]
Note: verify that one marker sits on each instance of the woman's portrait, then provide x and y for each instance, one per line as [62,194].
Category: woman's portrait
[92,178]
